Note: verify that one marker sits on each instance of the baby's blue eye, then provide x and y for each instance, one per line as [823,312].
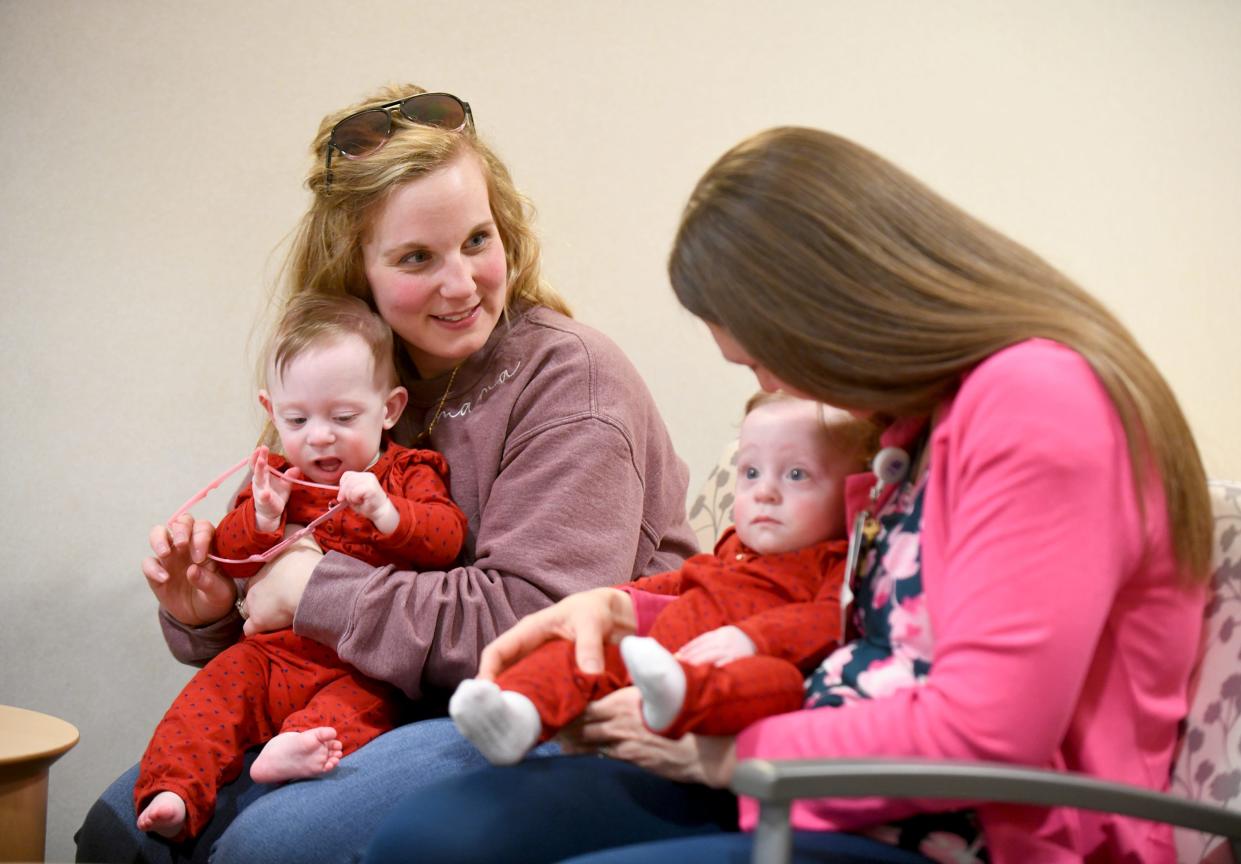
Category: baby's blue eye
[750,473]
[797,474]
[295,421]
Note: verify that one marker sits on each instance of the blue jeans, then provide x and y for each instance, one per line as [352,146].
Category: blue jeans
[605,811]
[809,847]
[330,818]
[546,810]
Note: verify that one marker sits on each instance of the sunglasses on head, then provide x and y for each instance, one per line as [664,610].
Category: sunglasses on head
[365,132]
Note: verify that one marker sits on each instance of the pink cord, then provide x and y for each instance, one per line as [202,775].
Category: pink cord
[206,490]
[260,557]
[283,544]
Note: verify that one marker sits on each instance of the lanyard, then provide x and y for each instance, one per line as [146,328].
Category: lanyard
[271,553]
[890,466]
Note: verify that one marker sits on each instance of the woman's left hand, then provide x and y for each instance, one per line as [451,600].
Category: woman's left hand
[588,619]
[613,727]
[274,592]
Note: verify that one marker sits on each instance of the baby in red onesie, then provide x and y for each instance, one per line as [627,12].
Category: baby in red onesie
[748,621]
[332,393]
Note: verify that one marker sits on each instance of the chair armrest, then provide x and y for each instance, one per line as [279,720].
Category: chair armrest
[777,783]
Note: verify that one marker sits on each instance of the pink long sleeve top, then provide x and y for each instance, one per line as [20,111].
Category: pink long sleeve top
[1063,637]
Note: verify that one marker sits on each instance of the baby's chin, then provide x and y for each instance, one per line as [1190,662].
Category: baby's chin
[768,542]
[765,542]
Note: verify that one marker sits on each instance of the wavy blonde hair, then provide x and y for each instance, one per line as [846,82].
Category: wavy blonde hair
[326,252]
[854,282]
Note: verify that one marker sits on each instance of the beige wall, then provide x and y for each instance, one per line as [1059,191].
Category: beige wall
[152,155]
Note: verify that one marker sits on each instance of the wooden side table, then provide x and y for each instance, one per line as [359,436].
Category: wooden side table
[29,743]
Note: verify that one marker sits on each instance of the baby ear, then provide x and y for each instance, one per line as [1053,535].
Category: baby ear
[394,405]
[265,401]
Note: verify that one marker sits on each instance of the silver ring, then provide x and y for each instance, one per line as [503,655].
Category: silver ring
[241,608]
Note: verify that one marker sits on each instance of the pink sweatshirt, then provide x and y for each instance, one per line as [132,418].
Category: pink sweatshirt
[1058,643]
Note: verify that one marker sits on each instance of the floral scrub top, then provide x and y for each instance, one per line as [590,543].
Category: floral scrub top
[889,648]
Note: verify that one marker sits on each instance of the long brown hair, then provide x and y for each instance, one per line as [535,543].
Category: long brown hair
[854,282]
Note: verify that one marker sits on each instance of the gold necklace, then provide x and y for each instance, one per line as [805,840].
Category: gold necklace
[440,407]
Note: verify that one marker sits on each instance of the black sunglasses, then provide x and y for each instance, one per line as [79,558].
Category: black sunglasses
[361,134]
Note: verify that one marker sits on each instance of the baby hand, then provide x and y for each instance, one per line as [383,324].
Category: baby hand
[719,646]
[271,492]
[362,492]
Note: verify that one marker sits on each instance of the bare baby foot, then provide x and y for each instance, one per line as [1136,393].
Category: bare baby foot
[295,755]
[165,815]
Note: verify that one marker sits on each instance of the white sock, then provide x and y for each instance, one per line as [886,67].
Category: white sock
[659,678]
[502,724]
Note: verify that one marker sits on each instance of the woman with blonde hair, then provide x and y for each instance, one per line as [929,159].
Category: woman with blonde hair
[557,456]
[1032,589]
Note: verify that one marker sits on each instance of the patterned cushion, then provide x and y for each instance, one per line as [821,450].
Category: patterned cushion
[713,510]
[1208,767]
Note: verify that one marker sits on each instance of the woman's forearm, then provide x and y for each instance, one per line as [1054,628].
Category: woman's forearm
[419,629]
[197,645]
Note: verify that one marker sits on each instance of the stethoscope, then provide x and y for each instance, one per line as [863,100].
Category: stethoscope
[890,467]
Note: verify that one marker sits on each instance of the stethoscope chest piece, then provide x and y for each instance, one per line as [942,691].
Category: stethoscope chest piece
[890,465]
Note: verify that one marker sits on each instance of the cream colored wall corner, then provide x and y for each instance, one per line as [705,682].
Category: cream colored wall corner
[152,155]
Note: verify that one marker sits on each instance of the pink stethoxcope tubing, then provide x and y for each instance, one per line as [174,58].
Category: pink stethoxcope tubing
[260,557]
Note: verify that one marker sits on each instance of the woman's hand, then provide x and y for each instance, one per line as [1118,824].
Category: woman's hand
[717,758]
[274,592]
[586,619]
[613,727]
[181,576]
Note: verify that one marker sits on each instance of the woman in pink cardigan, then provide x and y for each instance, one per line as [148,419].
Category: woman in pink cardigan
[1034,587]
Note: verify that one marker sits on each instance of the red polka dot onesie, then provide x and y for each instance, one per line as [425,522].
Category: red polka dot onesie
[279,681]
[787,603]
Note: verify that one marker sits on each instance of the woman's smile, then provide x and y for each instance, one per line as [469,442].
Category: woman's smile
[460,320]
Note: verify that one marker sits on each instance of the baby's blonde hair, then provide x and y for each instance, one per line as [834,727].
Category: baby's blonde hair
[844,434]
[314,320]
